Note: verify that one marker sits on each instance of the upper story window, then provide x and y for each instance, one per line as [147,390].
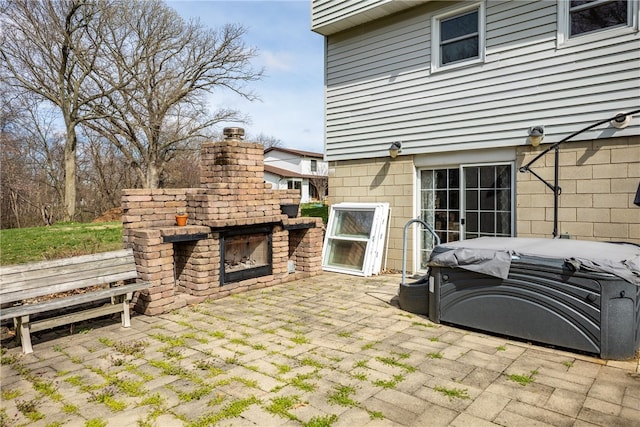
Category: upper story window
[584,20]
[458,37]
[314,166]
[587,16]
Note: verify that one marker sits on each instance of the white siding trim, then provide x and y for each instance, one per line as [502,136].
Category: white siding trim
[451,159]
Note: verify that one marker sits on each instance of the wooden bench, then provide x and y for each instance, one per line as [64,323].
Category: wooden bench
[23,282]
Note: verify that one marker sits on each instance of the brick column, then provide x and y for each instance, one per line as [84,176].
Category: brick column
[154,260]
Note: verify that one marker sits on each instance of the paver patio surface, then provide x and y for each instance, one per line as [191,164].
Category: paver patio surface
[327,350]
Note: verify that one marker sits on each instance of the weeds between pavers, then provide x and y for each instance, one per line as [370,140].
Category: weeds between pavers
[523,379]
[453,393]
[129,356]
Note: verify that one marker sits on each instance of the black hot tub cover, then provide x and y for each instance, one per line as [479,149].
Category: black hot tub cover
[492,255]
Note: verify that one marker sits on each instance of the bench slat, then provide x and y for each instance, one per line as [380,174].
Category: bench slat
[57,273]
[53,322]
[41,271]
[65,302]
[34,289]
[11,269]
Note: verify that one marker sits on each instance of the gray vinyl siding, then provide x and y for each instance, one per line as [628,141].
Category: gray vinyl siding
[380,89]
[331,16]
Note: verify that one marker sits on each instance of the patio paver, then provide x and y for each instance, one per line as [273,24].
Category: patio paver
[327,350]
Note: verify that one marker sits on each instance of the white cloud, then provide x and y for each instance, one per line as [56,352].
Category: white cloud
[280,61]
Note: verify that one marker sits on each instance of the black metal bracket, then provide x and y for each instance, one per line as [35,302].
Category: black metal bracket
[184,237]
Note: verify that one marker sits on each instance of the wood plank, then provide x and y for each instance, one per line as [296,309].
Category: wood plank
[31,274]
[65,261]
[55,278]
[79,316]
[18,295]
[59,303]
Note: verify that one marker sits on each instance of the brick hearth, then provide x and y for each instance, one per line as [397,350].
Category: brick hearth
[183,263]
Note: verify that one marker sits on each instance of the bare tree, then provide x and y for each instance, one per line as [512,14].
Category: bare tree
[48,48]
[320,181]
[266,140]
[169,66]
[102,174]
[31,177]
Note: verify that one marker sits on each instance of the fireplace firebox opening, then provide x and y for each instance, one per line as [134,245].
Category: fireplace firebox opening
[246,253]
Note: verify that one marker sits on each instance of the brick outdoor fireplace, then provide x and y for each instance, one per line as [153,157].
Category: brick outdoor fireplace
[236,239]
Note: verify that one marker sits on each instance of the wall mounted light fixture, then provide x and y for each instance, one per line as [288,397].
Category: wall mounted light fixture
[395,149]
[621,120]
[536,134]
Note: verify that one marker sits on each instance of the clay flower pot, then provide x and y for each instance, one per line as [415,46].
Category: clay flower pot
[181,219]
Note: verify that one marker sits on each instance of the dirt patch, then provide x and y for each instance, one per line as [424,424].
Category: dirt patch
[114,214]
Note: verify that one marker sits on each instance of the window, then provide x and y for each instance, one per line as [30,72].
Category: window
[458,37]
[355,238]
[314,166]
[587,16]
[587,19]
[294,185]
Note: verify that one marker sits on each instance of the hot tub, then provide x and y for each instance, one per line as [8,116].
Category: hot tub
[578,295]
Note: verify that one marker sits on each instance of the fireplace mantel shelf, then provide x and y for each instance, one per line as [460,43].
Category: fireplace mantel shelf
[172,234]
[301,223]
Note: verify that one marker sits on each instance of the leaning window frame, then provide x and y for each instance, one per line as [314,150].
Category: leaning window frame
[563,38]
[435,36]
[373,242]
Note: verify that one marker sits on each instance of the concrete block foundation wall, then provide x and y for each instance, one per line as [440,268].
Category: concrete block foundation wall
[379,180]
[599,180]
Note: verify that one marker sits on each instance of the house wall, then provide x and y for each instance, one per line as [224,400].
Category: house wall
[280,183]
[599,180]
[284,160]
[380,87]
[379,180]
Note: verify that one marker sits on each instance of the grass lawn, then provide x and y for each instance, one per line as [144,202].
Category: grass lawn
[315,209]
[21,245]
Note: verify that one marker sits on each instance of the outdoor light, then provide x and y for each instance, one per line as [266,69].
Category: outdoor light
[536,134]
[621,120]
[394,149]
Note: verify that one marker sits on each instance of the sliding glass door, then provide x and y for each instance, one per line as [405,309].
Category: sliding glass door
[465,202]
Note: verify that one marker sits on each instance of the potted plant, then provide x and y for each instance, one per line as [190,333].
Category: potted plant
[181,217]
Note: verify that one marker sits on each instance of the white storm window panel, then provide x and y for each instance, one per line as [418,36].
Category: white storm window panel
[355,238]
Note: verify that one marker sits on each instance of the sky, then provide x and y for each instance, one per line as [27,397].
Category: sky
[291,105]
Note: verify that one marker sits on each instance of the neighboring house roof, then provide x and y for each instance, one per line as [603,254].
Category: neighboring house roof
[286,173]
[295,152]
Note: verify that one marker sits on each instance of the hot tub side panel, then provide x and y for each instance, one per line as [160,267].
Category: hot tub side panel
[542,301]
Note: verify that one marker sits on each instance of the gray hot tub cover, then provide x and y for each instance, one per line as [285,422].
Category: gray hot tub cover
[492,255]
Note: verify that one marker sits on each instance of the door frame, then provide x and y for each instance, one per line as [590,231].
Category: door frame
[417,250]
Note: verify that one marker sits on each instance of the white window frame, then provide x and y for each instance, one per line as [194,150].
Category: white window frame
[435,36]
[374,241]
[564,26]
